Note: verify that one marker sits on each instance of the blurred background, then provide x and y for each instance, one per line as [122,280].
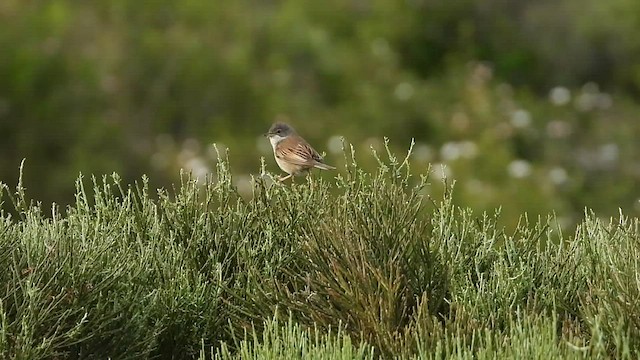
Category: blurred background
[529,105]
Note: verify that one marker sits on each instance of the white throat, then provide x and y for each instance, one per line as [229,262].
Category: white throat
[275,139]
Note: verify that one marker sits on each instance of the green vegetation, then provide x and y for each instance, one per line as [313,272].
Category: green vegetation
[360,266]
[530,107]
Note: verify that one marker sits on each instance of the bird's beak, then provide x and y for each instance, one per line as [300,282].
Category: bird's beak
[265,134]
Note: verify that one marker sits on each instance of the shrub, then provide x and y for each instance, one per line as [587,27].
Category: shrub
[363,265]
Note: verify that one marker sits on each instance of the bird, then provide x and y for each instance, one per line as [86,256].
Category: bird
[293,154]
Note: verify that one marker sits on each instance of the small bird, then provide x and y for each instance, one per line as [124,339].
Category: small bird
[293,154]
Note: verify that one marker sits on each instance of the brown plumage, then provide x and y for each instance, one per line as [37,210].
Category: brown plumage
[293,154]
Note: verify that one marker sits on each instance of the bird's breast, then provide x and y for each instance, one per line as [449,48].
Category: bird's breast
[288,167]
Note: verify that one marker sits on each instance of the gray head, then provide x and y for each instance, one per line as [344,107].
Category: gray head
[279,131]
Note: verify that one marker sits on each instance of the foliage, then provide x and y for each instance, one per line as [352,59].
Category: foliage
[290,341]
[366,265]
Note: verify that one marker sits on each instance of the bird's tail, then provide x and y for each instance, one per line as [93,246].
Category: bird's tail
[323,166]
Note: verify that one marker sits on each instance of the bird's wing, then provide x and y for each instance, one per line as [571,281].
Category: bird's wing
[298,153]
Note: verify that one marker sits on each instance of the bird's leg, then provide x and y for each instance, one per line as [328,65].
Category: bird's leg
[285,178]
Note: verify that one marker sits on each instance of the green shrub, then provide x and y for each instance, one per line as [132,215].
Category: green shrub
[363,265]
[291,341]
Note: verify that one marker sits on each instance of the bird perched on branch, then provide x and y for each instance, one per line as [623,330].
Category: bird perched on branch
[293,154]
